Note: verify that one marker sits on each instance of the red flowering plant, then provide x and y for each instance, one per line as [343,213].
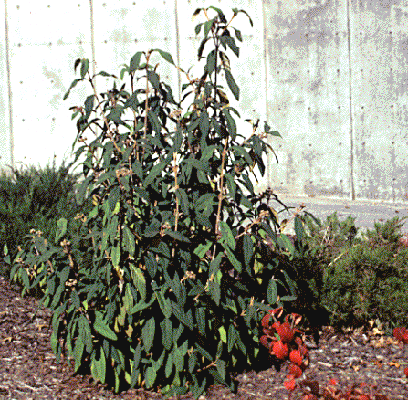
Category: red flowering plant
[284,341]
[401,334]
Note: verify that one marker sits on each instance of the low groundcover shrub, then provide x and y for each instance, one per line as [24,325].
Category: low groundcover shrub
[34,198]
[164,282]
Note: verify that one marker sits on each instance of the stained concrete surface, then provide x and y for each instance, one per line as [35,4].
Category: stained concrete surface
[366,212]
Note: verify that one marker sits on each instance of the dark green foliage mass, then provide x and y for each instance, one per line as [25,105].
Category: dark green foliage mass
[165,279]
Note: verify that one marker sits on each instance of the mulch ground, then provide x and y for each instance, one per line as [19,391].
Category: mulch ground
[28,368]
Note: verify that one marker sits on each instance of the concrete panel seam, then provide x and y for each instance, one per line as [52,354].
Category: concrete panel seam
[10,94]
[352,193]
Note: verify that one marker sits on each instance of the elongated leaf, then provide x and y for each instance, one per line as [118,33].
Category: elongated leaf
[141,305]
[155,171]
[148,331]
[210,65]
[150,377]
[232,84]
[299,228]
[135,62]
[272,292]
[115,256]
[167,56]
[202,249]
[139,281]
[79,351]
[231,125]
[177,235]
[164,303]
[248,250]
[128,240]
[73,84]
[227,235]
[62,225]
[231,257]
[215,291]
[232,335]
[84,67]
[167,333]
[221,368]
[101,327]
[207,27]
[204,123]
[154,120]
[200,317]
[285,242]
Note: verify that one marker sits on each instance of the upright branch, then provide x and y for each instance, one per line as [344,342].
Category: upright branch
[147,99]
[221,194]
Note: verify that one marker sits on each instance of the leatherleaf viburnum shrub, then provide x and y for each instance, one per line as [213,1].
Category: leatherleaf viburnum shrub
[165,283]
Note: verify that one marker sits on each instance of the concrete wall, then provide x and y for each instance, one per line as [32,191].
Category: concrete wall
[329,75]
[338,90]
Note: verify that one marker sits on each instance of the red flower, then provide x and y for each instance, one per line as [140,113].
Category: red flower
[266,341]
[333,381]
[290,385]
[364,397]
[285,333]
[303,350]
[295,370]
[265,320]
[295,357]
[401,334]
[280,350]
[406,371]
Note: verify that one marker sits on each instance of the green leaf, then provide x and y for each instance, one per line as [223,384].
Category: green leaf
[155,81]
[176,235]
[200,317]
[79,351]
[101,327]
[236,264]
[238,35]
[135,62]
[232,84]
[207,27]
[248,250]
[232,127]
[139,281]
[154,120]
[165,304]
[148,334]
[232,335]
[202,249]
[221,368]
[81,189]
[284,241]
[84,67]
[223,334]
[128,240]
[137,356]
[115,256]
[167,56]
[204,123]
[167,333]
[299,229]
[197,28]
[215,290]
[210,65]
[73,84]
[150,377]
[154,172]
[227,235]
[272,292]
[62,226]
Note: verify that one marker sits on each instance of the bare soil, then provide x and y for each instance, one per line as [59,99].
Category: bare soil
[28,368]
